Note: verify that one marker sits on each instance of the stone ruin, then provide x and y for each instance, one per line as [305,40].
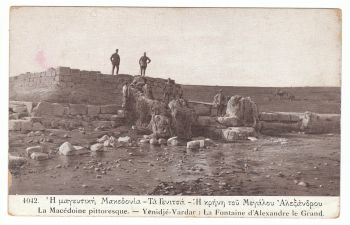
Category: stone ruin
[69,98]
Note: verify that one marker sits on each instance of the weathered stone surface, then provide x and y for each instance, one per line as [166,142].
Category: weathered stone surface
[66,149]
[201,108]
[320,123]
[182,119]
[208,121]
[153,141]
[240,111]
[173,141]
[280,116]
[110,109]
[162,141]
[38,126]
[230,121]
[32,149]
[104,124]
[93,110]
[26,126]
[16,161]
[199,143]
[39,156]
[238,133]
[18,106]
[15,125]
[278,127]
[98,147]
[160,126]
[78,109]
[125,139]
[46,108]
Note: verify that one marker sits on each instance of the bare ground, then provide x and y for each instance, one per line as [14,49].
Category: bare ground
[268,166]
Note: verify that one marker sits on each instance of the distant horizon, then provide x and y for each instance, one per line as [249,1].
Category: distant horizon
[246,47]
[212,85]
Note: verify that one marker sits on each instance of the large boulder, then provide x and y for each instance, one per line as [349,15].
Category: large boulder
[182,118]
[240,111]
[161,126]
[66,149]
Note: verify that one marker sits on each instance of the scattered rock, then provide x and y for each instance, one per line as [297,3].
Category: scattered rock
[162,141]
[125,139]
[98,147]
[66,149]
[144,140]
[30,150]
[173,141]
[16,161]
[59,166]
[103,139]
[39,156]
[302,183]
[153,141]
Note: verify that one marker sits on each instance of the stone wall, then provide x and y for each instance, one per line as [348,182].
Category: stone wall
[66,85]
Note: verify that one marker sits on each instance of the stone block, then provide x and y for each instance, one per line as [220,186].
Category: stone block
[78,109]
[61,70]
[110,109]
[93,110]
[39,156]
[207,121]
[15,125]
[37,126]
[102,124]
[201,108]
[46,108]
[238,133]
[32,149]
[26,125]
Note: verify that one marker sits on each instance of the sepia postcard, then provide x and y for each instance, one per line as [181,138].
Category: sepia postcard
[174,112]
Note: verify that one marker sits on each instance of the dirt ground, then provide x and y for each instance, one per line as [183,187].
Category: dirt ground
[272,165]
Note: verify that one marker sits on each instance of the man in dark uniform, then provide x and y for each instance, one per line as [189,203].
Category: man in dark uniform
[144,60]
[115,60]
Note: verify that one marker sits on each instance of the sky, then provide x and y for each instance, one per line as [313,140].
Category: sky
[204,46]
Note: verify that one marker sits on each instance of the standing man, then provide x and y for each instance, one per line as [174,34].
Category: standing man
[219,103]
[115,60]
[144,60]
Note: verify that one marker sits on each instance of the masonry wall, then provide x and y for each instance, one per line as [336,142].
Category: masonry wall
[66,85]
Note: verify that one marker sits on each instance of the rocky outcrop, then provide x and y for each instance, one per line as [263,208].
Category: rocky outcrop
[174,119]
[240,111]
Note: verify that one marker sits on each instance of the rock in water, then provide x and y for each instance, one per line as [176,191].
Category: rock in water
[153,141]
[66,149]
[16,161]
[32,149]
[182,119]
[103,139]
[199,143]
[162,141]
[125,139]
[173,141]
[98,147]
[39,156]
[238,133]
